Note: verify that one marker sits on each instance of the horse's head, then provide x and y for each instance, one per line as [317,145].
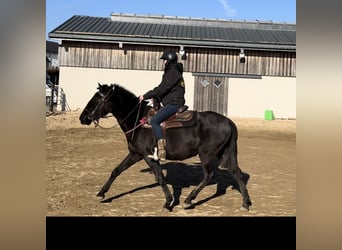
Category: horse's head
[98,106]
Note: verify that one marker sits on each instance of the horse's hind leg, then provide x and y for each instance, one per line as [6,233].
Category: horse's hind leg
[208,172]
[238,175]
[126,163]
[229,161]
[241,179]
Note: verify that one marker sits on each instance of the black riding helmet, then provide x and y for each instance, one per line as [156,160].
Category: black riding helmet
[170,56]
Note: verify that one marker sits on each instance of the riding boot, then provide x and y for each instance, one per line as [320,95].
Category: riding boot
[161,149]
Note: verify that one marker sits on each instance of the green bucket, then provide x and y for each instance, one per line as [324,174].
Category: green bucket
[269,115]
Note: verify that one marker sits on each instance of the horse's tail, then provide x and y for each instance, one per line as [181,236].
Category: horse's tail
[229,162]
[228,157]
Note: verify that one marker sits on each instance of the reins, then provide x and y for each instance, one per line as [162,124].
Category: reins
[142,121]
[97,124]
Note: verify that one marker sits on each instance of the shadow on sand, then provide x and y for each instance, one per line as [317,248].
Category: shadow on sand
[180,175]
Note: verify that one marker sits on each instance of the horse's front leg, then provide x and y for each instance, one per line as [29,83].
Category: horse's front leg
[130,159]
[157,170]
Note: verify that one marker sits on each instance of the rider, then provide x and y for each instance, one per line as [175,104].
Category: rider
[171,93]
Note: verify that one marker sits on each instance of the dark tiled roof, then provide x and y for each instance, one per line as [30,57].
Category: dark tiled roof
[165,30]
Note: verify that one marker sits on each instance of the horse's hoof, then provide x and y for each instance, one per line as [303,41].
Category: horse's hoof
[187,205]
[167,208]
[244,209]
[100,195]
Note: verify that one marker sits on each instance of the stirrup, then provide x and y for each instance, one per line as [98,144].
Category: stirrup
[155,155]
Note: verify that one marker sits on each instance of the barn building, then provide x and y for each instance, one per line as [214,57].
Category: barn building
[237,68]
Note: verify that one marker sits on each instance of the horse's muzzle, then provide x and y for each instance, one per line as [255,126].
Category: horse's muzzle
[85,120]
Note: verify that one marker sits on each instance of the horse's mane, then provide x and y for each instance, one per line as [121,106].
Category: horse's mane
[124,92]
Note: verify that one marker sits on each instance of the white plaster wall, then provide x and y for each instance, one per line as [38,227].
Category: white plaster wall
[246,97]
[80,84]
[251,97]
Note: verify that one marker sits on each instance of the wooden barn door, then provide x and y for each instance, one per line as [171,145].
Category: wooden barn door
[211,94]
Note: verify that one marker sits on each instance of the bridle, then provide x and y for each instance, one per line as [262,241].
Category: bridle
[100,106]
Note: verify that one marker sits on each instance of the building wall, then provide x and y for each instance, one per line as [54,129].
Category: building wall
[246,97]
[80,84]
[251,97]
[139,69]
[205,60]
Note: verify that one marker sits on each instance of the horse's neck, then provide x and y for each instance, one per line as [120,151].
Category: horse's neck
[130,116]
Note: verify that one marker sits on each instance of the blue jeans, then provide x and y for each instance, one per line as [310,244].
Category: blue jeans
[159,117]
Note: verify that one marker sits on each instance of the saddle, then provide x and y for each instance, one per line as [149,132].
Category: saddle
[182,118]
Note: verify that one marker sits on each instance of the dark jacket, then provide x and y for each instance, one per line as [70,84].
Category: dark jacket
[171,90]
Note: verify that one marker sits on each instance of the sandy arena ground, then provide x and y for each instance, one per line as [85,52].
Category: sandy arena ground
[79,159]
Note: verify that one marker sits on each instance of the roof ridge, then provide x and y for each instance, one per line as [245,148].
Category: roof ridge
[157,18]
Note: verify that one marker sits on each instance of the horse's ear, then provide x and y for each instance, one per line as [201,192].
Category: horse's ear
[112,86]
[99,84]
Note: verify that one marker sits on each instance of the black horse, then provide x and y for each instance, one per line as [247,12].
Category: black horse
[213,137]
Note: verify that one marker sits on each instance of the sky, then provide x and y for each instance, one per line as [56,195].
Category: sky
[250,10]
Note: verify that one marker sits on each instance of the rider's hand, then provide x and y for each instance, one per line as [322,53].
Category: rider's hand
[141,98]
